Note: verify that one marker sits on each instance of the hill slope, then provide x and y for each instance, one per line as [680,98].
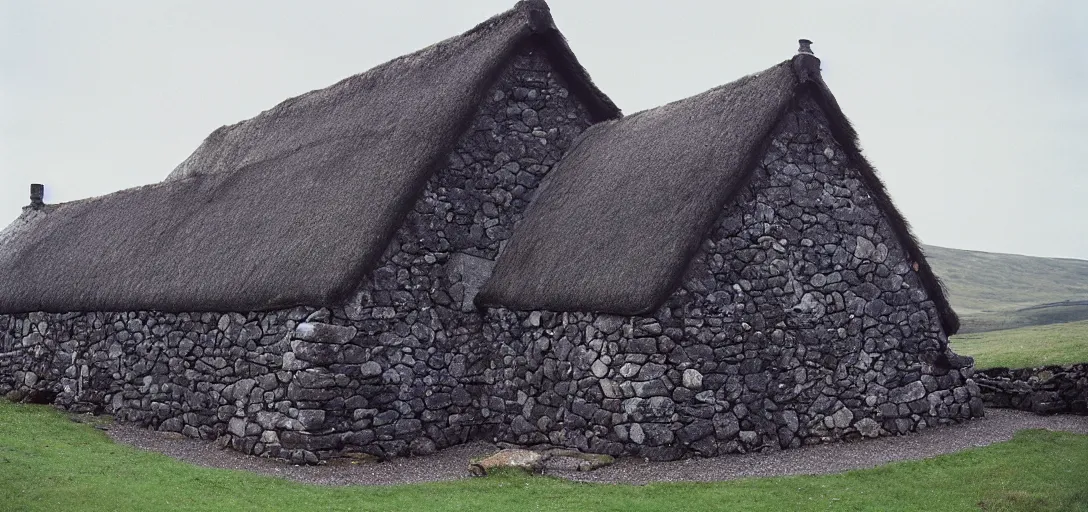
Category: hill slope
[993,291]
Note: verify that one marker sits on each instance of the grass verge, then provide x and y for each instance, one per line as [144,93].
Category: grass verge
[50,463]
[1028,346]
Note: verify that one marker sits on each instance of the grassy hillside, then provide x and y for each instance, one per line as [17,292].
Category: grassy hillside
[1028,346]
[994,291]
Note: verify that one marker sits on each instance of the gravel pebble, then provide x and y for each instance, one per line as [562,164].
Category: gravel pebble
[452,463]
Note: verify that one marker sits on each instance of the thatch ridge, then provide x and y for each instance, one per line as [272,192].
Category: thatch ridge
[292,207]
[574,276]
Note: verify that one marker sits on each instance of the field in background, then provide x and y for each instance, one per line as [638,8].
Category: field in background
[1027,346]
[992,291]
[1016,311]
[49,463]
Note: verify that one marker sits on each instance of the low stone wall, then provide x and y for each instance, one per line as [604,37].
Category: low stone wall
[299,384]
[308,384]
[1043,390]
[651,388]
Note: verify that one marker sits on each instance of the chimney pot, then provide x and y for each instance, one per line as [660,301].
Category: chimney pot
[37,193]
[805,47]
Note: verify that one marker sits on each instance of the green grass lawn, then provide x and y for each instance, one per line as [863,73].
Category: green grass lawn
[52,464]
[1027,346]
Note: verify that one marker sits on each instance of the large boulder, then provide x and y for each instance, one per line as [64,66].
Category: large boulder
[525,460]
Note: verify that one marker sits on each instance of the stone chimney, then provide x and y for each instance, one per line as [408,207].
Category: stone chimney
[37,193]
[805,64]
[805,47]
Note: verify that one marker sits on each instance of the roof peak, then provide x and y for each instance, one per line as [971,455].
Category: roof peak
[806,65]
[538,15]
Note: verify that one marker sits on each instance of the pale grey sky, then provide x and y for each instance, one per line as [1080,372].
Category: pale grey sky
[974,112]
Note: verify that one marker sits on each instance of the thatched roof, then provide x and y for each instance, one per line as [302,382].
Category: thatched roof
[616,224]
[291,207]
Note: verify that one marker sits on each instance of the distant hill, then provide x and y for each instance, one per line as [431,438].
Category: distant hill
[992,291]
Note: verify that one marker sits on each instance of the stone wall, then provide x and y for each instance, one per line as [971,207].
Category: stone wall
[1044,390]
[400,369]
[800,321]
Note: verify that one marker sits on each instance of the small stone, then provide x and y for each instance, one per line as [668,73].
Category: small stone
[370,369]
[865,249]
[909,393]
[530,118]
[630,369]
[661,407]
[317,353]
[748,437]
[237,427]
[636,434]
[610,389]
[599,369]
[651,371]
[317,332]
[520,426]
[650,388]
[726,426]
[868,427]
[791,420]
[290,362]
[608,324]
[407,426]
[842,418]
[311,418]
[384,313]
[692,379]
[881,253]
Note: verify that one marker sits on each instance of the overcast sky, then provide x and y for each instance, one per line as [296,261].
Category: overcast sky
[974,112]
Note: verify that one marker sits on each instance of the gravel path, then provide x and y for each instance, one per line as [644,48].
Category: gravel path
[452,464]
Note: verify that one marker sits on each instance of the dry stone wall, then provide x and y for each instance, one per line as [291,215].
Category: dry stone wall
[400,369]
[800,321]
[1045,390]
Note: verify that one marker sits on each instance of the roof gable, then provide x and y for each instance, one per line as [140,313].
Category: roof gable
[291,207]
[616,224]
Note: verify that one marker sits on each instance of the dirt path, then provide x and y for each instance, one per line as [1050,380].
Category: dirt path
[452,464]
